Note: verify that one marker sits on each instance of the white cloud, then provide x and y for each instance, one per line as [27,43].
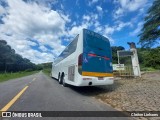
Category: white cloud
[137,30]
[94,24]
[106,30]
[118,13]
[43,48]
[98,29]
[99,8]
[86,17]
[120,25]
[94,16]
[77,29]
[128,6]
[44,2]
[87,21]
[133,4]
[2,10]
[39,57]
[109,30]
[94,1]
[30,21]
[91,2]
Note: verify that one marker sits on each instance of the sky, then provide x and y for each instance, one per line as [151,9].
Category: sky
[40,29]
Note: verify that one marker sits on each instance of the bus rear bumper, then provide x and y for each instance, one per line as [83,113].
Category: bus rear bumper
[95,81]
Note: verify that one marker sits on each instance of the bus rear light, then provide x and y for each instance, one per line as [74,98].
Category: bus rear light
[87,78]
[80,60]
[94,55]
[90,54]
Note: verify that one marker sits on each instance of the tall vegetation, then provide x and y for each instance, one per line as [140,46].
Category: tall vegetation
[150,33]
[12,62]
[148,58]
[114,53]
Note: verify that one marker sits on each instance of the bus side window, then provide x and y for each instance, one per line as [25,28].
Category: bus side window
[68,50]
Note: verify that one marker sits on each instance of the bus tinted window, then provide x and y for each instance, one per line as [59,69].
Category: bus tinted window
[72,47]
[68,50]
[96,41]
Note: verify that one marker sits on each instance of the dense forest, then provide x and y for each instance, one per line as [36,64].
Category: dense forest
[12,62]
[149,58]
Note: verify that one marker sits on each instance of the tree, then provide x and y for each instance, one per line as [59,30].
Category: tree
[6,54]
[150,33]
[149,58]
[114,53]
[12,62]
[153,59]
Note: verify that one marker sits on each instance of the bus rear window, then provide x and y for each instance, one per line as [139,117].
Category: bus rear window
[96,42]
[96,53]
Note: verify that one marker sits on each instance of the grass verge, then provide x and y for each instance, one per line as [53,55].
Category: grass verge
[47,71]
[8,76]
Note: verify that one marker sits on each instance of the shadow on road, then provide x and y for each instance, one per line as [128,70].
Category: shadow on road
[93,90]
[90,90]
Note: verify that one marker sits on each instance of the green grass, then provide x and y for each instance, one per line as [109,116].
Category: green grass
[47,71]
[9,76]
[148,69]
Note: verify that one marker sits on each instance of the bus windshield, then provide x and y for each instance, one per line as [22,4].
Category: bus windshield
[96,53]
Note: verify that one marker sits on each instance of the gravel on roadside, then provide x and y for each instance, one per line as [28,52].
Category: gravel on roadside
[134,94]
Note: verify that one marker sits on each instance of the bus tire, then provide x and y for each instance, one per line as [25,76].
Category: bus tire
[63,81]
[59,79]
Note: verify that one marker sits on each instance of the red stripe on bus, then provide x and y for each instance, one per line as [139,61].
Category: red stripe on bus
[94,55]
[106,58]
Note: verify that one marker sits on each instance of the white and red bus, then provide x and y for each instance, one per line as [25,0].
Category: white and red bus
[86,61]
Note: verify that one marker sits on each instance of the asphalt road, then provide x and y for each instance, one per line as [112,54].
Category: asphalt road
[45,94]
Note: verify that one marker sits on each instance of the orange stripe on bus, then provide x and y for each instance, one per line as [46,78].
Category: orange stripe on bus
[96,74]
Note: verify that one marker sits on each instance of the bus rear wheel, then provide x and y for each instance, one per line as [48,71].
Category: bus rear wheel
[59,78]
[63,80]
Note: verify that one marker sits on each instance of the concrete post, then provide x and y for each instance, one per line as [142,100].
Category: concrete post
[135,63]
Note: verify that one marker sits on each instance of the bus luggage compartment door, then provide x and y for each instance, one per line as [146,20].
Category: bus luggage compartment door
[71,73]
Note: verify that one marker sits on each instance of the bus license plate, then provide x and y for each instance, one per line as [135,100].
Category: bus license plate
[100,78]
